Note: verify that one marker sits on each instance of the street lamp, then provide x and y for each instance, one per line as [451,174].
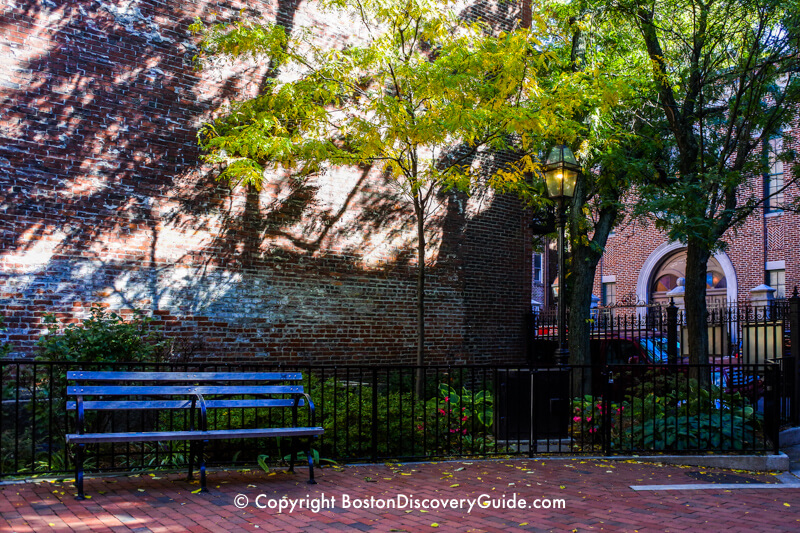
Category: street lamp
[561,171]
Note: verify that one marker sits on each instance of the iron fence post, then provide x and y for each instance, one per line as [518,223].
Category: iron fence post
[771,412]
[533,438]
[374,414]
[791,365]
[672,332]
[605,414]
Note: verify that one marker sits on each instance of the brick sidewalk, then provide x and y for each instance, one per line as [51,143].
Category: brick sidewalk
[597,497]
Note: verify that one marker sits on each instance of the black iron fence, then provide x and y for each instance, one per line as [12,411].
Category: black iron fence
[377,413]
[741,334]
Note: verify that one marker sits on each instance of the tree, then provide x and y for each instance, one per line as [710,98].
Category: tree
[420,98]
[725,77]
[614,144]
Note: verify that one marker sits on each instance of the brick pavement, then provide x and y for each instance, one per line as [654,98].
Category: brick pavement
[596,493]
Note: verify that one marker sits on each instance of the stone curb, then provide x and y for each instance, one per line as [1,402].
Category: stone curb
[752,463]
[790,437]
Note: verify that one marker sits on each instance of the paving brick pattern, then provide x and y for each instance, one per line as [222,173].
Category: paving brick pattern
[596,494]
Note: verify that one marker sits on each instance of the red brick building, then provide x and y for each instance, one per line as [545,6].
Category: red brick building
[103,202]
[641,265]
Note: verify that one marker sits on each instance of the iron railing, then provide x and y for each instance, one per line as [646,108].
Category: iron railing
[744,333]
[377,414]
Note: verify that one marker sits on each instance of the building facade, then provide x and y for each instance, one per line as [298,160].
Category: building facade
[640,264]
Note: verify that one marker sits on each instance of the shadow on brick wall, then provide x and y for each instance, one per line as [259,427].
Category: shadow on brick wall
[98,112]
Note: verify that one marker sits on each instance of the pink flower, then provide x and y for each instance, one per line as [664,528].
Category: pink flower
[588,418]
[576,419]
[463,409]
[419,427]
[442,412]
[453,430]
[592,430]
[464,419]
[447,398]
[463,431]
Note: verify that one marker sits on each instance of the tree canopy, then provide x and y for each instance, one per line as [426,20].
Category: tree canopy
[423,96]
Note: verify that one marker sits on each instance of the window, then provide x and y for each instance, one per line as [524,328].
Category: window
[777,280]
[609,293]
[537,268]
[773,183]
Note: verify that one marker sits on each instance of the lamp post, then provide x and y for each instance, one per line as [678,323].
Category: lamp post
[561,171]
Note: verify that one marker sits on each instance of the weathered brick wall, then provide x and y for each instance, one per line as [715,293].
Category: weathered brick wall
[102,201]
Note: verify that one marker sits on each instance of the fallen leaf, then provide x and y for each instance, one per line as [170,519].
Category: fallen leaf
[454,485]
[434,525]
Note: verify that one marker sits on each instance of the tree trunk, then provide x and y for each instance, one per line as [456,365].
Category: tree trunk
[697,257]
[585,258]
[419,209]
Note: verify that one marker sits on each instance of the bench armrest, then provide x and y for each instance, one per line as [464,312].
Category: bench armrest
[197,397]
[311,408]
[79,413]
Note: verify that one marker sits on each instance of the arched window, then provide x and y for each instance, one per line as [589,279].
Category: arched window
[673,268]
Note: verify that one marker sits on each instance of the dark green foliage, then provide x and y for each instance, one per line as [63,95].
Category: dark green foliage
[692,418]
[5,348]
[668,412]
[101,338]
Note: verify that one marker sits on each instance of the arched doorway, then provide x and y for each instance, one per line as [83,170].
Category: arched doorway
[659,263]
[672,269]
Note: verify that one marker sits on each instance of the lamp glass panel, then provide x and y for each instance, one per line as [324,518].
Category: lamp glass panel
[555,182]
[570,177]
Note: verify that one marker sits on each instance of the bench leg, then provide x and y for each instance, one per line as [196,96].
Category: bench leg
[311,466]
[192,449]
[293,455]
[202,458]
[79,471]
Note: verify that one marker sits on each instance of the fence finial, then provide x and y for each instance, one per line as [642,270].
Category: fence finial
[794,294]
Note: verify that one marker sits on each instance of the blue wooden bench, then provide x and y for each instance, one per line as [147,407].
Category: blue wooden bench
[196,391]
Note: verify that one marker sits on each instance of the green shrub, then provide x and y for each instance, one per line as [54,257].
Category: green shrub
[691,417]
[589,420]
[102,338]
[5,347]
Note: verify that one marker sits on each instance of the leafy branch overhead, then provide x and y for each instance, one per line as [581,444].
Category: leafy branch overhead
[418,93]
[420,84]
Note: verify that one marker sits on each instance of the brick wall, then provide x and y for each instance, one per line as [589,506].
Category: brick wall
[102,201]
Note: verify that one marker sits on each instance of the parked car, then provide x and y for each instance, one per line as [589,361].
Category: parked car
[640,352]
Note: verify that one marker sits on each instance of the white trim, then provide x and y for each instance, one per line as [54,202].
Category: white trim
[649,267]
[609,279]
[773,214]
[775,265]
[656,256]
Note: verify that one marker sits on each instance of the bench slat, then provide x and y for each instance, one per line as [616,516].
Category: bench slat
[194,435]
[177,390]
[82,375]
[114,405]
